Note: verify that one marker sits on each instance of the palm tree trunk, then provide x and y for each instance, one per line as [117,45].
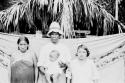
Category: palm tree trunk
[116,14]
[116,10]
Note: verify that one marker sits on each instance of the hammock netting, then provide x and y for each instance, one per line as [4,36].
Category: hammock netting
[105,50]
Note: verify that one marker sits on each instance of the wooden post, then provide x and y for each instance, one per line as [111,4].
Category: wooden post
[116,13]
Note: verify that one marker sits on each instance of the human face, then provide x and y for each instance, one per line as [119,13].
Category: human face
[82,54]
[54,37]
[23,46]
[54,56]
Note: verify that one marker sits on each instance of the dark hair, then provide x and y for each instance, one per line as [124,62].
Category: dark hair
[23,38]
[55,32]
[85,48]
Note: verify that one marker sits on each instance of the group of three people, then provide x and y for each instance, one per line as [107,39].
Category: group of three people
[54,62]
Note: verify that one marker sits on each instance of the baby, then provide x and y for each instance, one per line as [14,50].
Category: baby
[52,67]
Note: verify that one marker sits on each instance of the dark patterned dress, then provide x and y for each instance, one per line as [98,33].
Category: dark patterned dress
[22,70]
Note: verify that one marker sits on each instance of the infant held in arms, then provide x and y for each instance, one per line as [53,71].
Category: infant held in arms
[53,67]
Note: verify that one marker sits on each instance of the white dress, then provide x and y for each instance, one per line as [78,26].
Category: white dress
[83,72]
[52,67]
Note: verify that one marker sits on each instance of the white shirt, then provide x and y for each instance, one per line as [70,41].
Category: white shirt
[83,72]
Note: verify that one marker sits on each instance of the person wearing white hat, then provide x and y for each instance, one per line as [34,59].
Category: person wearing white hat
[54,27]
[54,33]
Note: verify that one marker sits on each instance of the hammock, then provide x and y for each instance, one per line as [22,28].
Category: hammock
[105,50]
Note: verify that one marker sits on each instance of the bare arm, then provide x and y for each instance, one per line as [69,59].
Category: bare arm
[35,66]
[11,61]
[96,75]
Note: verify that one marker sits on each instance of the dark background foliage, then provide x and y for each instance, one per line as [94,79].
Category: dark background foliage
[109,5]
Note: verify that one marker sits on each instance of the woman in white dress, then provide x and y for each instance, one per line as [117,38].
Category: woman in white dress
[83,69]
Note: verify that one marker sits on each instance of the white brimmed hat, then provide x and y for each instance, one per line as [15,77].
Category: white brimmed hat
[54,27]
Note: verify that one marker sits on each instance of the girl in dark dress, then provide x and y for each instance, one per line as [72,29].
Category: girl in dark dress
[23,63]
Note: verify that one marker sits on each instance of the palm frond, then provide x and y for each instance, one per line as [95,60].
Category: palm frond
[10,15]
[69,13]
[92,10]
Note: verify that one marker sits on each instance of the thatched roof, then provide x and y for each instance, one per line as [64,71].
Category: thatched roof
[32,15]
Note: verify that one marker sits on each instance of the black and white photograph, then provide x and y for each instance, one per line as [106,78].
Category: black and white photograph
[62,41]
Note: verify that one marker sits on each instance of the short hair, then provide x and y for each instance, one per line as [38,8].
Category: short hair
[85,48]
[23,38]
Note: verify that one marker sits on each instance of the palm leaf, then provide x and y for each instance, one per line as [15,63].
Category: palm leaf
[69,13]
